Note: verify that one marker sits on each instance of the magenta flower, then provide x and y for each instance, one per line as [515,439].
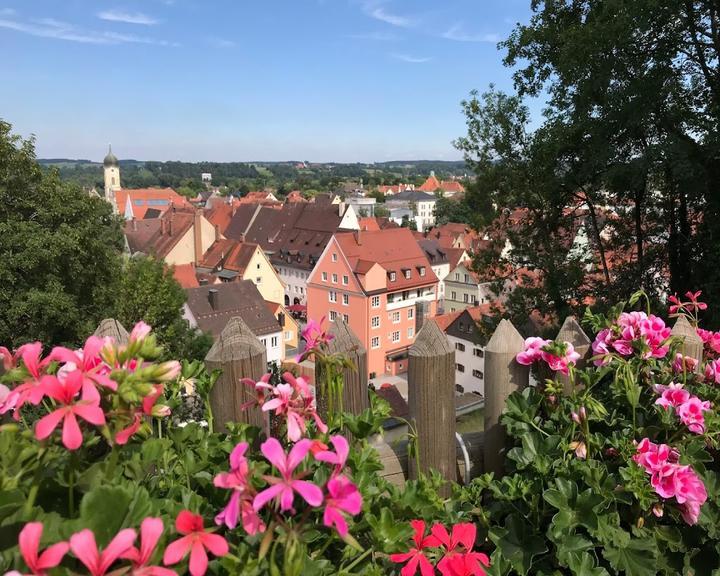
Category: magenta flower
[284,488]
[139,332]
[691,414]
[295,402]
[468,564]
[31,390]
[8,360]
[415,557]
[533,350]
[149,408]
[260,388]
[150,531]
[343,496]
[559,362]
[65,393]
[195,542]
[672,395]
[314,337]
[29,544]
[712,371]
[339,457]
[240,504]
[683,364]
[90,364]
[85,549]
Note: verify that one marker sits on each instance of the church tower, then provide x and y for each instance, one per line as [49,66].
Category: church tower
[111,168]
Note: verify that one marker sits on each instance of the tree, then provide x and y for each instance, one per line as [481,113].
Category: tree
[631,124]
[60,252]
[149,292]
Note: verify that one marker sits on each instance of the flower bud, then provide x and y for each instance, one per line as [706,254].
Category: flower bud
[658,509]
[640,522]
[160,411]
[139,332]
[167,371]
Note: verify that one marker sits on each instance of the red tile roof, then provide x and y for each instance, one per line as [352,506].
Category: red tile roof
[185,275]
[432,184]
[228,255]
[143,198]
[395,249]
[295,196]
[220,215]
[158,236]
[370,224]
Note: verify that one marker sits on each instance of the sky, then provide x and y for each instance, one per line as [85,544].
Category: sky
[249,80]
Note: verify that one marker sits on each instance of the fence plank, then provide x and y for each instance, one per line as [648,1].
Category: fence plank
[691,343]
[238,354]
[355,388]
[573,333]
[431,399]
[112,328]
[503,376]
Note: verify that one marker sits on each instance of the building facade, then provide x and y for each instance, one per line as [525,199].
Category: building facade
[381,284]
[421,204]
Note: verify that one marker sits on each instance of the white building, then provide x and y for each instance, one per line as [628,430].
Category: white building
[422,205]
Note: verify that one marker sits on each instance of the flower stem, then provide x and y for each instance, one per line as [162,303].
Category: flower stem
[357,560]
[35,487]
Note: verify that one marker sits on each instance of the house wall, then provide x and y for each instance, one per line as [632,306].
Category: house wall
[273,343]
[441,271]
[184,251]
[469,368]
[295,283]
[461,290]
[261,273]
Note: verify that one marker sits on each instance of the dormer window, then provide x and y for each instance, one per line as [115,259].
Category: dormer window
[407,274]
[422,270]
[392,276]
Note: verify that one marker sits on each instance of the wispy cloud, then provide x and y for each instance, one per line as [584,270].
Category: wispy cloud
[127,17]
[222,42]
[458,34]
[50,28]
[410,59]
[7,12]
[375,9]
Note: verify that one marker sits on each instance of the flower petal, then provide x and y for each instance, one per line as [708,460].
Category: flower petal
[198,559]
[122,542]
[177,550]
[71,434]
[47,424]
[85,549]
[29,543]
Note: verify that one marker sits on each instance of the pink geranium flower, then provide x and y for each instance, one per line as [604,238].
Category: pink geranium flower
[31,390]
[66,394]
[139,332]
[294,401]
[343,496]
[314,337]
[339,457]
[560,363]
[149,408]
[260,388]
[285,487]
[195,542]
[691,414]
[672,395]
[683,364]
[468,564]
[150,531]
[240,504]
[29,544]
[90,364]
[85,549]
[415,557]
[8,359]
[533,350]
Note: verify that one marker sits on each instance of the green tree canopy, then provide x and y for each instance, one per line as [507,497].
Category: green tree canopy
[60,252]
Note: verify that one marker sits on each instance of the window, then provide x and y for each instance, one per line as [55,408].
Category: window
[288,335]
[457,275]
[375,302]
[332,315]
[459,347]
[334,257]
[258,280]
[396,317]
[324,276]
[346,319]
[396,336]
[478,353]
[411,313]
[274,341]
[334,278]
[258,265]
[466,298]
[459,367]
[407,273]
[263,341]
[411,332]
[375,322]
[454,296]
[477,374]
[392,276]
[346,280]
[467,279]
[375,342]
[332,296]
[346,300]
[422,270]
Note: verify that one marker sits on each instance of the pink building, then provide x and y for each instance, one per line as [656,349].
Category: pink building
[381,283]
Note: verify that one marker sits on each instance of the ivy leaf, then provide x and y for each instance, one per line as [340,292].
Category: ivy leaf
[389,532]
[108,509]
[637,558]
[517,543]
[586,566]
[573,508]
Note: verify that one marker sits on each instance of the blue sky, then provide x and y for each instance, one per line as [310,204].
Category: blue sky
[320,80]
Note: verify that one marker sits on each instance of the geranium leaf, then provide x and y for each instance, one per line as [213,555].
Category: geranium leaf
[517,544]
[637,558]
[108,509]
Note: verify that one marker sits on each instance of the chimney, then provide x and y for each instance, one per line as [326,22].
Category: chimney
[234,209]
[134,224]
[197,235]
[170,226]
[341,209]
[162,226]
[214,299]
[358,237]
[241,238]
[217,232]
[281,319]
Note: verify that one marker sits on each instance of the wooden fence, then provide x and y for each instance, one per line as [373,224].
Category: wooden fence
[431,393]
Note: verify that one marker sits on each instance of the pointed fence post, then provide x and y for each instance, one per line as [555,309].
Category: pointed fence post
[238,354]
[431,399]
[503,376]
[691,343]
[572,332]
[355,388]
[112,328]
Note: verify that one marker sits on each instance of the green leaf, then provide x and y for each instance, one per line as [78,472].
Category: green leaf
[517,543]
[587,566]
[108,509]
[637,558]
